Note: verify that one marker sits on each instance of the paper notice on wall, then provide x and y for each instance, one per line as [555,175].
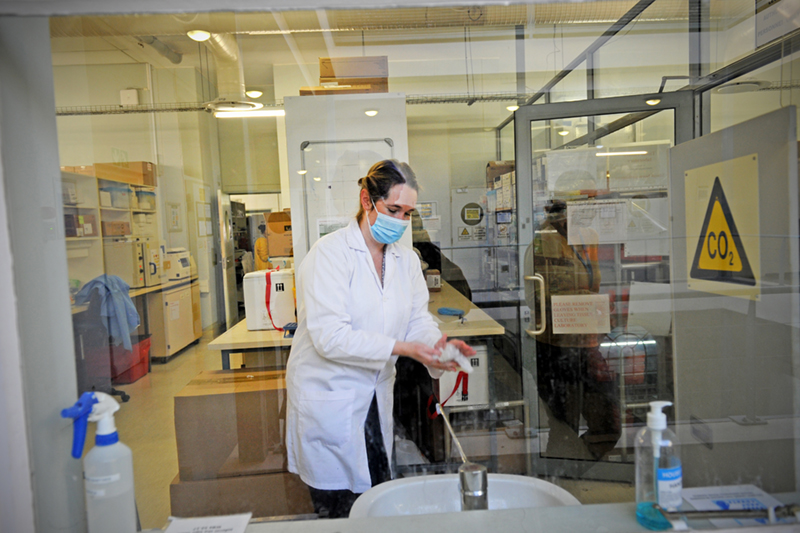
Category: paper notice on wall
[609,220]
[587,313]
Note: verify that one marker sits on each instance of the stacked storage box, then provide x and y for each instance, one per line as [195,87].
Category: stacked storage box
[231,456]
[349,75]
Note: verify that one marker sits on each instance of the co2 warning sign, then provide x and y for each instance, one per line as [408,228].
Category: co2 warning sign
[722,228]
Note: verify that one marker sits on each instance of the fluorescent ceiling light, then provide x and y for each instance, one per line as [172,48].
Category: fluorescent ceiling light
[653,101]
[254,94]
[512,107]
[744,86]
[371,112]
[302,172]
[317,179]
[563,133]
[251,114]
[608,154]
[198,35]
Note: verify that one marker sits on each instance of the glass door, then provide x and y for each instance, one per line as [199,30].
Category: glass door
[594,239]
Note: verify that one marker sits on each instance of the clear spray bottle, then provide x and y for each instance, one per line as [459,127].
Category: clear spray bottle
[659,477]
[107,468]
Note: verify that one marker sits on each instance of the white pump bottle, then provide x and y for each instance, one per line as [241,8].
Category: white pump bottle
[659,477]
[108,467]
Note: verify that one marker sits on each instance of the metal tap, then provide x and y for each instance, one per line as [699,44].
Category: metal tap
[473,481]
[472,478]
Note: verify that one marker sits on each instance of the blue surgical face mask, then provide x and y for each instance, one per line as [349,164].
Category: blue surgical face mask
[387,229]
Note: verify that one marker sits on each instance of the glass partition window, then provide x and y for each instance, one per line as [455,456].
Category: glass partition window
[601,217]
[198,175]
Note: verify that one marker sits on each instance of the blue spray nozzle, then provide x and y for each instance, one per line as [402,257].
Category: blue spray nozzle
[80,414]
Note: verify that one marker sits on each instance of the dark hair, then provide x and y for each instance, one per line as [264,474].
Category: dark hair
[262,227]
[382,177]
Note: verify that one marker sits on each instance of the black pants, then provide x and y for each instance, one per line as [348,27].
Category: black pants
[337,503]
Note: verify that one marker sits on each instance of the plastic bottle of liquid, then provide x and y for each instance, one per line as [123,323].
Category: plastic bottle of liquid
[108,467]
[659,478]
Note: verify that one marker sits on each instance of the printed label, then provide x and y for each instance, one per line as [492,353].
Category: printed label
[670,483]
[95,493]
[102,480]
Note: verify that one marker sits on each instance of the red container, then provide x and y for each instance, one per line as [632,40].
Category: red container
[128,366]
[132,374]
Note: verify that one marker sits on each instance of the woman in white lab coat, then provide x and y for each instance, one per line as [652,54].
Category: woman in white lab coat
[362,302]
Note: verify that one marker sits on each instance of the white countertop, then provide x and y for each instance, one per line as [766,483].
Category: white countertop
[599,518]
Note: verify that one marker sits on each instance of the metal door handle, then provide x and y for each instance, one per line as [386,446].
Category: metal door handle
[540,329]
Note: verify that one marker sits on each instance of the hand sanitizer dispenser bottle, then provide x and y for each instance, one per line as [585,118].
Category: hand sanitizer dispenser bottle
[659,478]
[108,467]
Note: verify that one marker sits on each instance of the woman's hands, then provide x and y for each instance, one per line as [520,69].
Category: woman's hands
[423,353]
[430,356]
[461,345]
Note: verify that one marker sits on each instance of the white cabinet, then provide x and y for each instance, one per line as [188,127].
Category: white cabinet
[174,319]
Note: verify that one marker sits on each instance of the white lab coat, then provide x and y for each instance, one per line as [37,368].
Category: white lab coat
[342,354]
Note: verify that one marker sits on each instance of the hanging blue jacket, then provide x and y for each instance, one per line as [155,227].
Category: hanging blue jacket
[116,306]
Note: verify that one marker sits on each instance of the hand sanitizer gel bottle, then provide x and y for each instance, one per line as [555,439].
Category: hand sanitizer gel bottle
[659,478]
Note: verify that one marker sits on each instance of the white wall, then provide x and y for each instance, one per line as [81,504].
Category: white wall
[16,495]
[249,155]
[45,359]
[188,161]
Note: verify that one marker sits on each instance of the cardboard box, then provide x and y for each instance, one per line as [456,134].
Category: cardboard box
[85,170]
[88,223]
[376,85]
[354,67]
[495,169]
[116,227]
[280,494]
[227,423]
[345,89]
[279,234]
[133,172]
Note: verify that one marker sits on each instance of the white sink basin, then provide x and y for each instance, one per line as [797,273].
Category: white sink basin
[440,494]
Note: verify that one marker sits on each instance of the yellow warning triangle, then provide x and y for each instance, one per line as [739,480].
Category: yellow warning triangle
[720,255]
[465,232]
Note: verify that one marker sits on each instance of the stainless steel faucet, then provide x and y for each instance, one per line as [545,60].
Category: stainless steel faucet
[472,478]
[473,481]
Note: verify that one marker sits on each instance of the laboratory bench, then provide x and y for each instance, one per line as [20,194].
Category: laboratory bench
[238,339]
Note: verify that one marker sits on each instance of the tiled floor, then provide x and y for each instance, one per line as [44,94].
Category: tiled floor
[146,424]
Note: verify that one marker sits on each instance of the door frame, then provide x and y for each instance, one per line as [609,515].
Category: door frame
[635,109]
